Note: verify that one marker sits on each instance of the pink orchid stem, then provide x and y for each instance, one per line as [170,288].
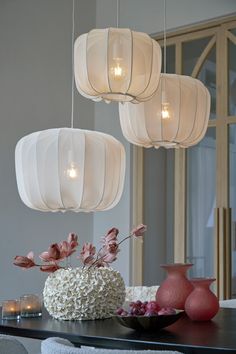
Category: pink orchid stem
[99,259]
[96,261]
[126,238]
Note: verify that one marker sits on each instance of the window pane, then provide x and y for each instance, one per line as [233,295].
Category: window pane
[208,76]
[232,79]
[232,178]
[158,213]
[201,185]
[170,59]
[191,52]
[233,31]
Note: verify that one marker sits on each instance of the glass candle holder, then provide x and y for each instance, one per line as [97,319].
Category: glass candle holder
[30,306]
[11,310]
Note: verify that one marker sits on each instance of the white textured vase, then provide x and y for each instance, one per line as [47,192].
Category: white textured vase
[83,294]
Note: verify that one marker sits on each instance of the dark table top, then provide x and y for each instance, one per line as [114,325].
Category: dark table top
[216,336]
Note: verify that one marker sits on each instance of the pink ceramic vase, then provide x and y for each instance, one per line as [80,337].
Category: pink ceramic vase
[202,304]
[176,288]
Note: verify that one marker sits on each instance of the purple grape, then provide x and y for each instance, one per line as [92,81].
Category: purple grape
[142,312]
[130,311]
[119,311]
[139,308]
[151,312]
[135,312]
[167,311]
[153,306]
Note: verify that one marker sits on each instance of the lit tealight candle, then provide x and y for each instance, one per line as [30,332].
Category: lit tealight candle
[30,306]
[10,309]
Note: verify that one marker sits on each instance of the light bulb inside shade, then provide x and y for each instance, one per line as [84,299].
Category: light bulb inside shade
[72,171]
[165,110]
[117,70]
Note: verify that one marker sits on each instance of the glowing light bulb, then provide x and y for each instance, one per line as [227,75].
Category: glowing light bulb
[165,111]
[117,70]
[72,171]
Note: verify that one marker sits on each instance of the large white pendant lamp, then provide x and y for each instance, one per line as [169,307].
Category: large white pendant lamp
[176,116]
[70,169]
[117,64]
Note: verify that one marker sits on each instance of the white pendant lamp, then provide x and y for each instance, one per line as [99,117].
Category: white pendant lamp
[70,169]
[116,64]
[176,116]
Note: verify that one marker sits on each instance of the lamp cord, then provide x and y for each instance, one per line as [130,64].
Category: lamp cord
[164,36]
[117,13]
[72,53]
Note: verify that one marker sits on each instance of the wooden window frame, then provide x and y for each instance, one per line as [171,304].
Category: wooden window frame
[217,29]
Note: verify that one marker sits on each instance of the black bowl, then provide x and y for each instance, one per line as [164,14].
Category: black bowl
[149,322]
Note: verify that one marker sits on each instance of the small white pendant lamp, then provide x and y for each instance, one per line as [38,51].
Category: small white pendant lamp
[70,169]
[176,116]
[116,64]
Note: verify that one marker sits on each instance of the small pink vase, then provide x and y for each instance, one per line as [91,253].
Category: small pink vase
[176,288]
[202,304]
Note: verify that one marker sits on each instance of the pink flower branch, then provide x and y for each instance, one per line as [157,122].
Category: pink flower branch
[110,246]
[57,252]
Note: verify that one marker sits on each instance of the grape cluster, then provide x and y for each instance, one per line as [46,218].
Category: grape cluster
[147,308]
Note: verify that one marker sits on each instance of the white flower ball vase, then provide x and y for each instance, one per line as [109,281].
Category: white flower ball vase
[83,294]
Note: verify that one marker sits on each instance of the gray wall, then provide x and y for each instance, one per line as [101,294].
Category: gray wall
[35,94]
[107,120]
[147,15]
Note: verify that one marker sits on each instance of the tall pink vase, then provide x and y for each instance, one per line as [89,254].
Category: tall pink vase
[202,304]
[176,288]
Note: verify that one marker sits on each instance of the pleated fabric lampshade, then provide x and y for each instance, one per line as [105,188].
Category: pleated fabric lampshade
[70,169]
[117,64]
[176,116]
